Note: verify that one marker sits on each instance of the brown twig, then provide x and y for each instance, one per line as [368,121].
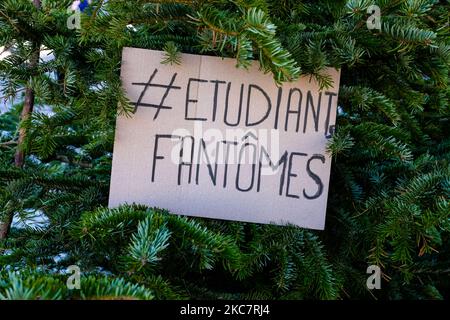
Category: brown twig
[8,143]
[10,21]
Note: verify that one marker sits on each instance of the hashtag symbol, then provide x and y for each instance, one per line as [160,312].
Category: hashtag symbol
[149,84]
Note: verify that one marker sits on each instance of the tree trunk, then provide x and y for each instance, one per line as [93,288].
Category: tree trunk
[26,113]
[28,105]
[5,225]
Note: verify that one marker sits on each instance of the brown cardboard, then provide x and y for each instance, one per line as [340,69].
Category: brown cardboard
[306,165]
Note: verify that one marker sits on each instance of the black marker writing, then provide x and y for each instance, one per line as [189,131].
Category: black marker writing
[189,100]
[149,84]
[292,175]
[315,177]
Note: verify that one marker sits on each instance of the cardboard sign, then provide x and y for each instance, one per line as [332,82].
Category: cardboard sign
[210,140]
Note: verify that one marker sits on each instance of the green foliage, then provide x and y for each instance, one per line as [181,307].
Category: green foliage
[37,285]
[172,55]
[390,181]
[250,34]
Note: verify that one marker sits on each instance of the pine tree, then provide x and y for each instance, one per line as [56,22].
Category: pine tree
[390,182]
